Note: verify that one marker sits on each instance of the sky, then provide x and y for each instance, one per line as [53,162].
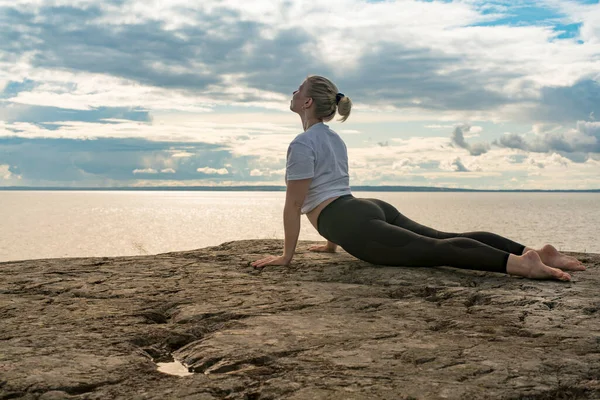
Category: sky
[462,94]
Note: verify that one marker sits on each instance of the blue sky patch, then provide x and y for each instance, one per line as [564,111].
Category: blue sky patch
[523,16]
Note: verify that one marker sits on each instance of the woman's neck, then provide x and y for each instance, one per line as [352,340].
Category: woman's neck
[307,122]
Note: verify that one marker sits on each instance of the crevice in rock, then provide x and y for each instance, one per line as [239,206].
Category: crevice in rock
[154,317]
[71,390]
[477,299]
[13,395]
[296,307]
[443,326]
[205,366]
[158,354]
[592,310]
[560,393]
[86,387]
[213,318]
[160,313]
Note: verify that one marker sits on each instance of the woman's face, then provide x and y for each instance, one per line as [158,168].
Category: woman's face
[299,99]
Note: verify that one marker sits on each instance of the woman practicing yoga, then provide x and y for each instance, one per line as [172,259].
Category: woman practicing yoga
[370,229]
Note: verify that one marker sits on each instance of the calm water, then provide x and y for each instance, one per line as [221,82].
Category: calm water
[49,224]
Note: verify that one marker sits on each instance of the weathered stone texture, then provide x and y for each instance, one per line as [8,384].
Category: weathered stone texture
[326,327]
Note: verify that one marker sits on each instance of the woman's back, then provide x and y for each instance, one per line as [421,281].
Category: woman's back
[321,154]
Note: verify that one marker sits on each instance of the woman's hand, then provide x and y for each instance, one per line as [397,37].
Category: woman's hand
[271,260]
[322,248]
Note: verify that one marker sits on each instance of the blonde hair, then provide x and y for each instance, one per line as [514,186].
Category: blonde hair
[324,92]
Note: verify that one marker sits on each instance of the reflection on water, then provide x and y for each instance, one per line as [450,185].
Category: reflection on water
[52,224]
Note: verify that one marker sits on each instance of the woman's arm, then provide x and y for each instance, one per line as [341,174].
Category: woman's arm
[299,174]
[291,227]
[295,194]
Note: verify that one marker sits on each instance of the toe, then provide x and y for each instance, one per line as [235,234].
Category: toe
[575,266]
[565,276]
[559,274]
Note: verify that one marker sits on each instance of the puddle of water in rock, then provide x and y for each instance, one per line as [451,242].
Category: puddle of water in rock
[174,368]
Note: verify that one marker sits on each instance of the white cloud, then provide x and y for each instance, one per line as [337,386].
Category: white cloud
[193,129]
[181,154]
[145,171]
[542,128]
[584,138]
[85,91]
[474,131]
[268,173]
[208,170]
[199,182]
[6,174]
[405,164]
[438,126]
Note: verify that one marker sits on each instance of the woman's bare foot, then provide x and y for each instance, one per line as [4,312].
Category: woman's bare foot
[530,265]
[553,258]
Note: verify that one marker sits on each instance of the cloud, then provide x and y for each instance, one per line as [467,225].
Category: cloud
[111,161]
[198,92]
[458,138]
[406,164]
[430,161]
[159,56]
[584,138]
[196,56]
[438,126]
[515,158]
[512,141]
[212,171]
[454,164]
[479,148]
[268,173]
[567,103]
[190,128]
[145,171]
[47,117]
[210,55]
[459,166]
[4,171]
[7,174]
[182,154]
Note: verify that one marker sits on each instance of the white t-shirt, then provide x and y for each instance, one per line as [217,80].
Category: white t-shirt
[321,154]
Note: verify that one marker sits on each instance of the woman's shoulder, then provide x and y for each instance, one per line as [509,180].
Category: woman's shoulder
[315,135]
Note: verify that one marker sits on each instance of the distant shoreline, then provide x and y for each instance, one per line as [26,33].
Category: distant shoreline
[283,188]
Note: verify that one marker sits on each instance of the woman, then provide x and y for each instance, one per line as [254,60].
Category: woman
[370,229]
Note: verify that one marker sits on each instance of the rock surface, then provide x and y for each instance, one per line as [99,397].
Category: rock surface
[328,326]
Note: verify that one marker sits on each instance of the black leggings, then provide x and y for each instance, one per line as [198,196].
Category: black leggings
[375,231]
